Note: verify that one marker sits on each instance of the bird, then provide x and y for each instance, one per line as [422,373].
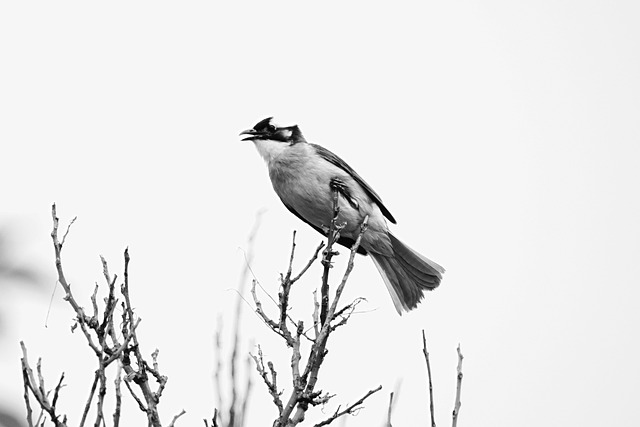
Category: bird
[305,175]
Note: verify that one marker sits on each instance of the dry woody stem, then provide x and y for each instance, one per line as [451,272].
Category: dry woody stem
[326,318]
[456,406]
[426,357]
[110,345]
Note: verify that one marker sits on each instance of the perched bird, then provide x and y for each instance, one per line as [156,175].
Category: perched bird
[304,176]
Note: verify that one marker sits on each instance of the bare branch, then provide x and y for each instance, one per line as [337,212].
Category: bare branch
[94,302]
[334,231]
[390,410]
[352,409]
[57,391]
[293,251]
[316,313]
[426,357]
[326,318]
[102,392]
[309,263]
[347,273]
[275,327]
[247,391]
[214,419]
[105,343]
[67,232]
[127,382]
[25,381]
[344,314]
[37,388]
[117,411]
[272,383]
[175,417]
[456,406]
[218,370]
[140,377]
[82,318]
[318,350]
[87,406]
[237,401]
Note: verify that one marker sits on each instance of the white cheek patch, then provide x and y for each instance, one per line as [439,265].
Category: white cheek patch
[286,133]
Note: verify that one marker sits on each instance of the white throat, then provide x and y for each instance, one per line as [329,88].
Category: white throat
[269,149]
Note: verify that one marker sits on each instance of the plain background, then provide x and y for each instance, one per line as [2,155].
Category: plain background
[504,137]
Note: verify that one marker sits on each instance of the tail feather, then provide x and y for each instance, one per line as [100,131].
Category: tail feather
[407,274]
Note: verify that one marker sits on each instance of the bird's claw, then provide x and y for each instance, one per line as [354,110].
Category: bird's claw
[333,253]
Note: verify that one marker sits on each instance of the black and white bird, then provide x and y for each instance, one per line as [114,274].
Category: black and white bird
[304,176]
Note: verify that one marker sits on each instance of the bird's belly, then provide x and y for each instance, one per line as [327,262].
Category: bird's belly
[312,198]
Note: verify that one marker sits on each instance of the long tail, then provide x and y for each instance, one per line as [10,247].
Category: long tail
[407,274]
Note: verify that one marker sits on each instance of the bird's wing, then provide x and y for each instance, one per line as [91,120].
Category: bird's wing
[337,161]
[344,241]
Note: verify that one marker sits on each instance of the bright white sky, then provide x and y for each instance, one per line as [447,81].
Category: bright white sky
[504,137]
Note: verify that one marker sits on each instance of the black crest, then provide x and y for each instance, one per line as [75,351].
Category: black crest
[263,125]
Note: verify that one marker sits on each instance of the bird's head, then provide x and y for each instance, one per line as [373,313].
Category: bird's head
[266,130]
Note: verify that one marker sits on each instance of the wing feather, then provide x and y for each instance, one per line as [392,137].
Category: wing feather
[337,161]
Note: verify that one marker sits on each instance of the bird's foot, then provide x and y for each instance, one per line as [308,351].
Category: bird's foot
[326,254]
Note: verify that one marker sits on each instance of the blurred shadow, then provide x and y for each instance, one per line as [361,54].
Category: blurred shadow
[8,420]
[12,274]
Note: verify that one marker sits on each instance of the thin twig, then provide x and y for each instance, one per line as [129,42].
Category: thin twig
[25,381]
[235,398]
[390,410]
[350,264]
[283,295]
[244,408]
[175,417]
[57,391]
[326,259]
[316,313]
[456,407]
[275,327]
[218,370]
[87,406]
[293,251]
[105,343]
[272,383]
[350,409]
[140,377]
[326,318]
[318,350]
[118,382]
[155,371]
[134,395]
[67,232]
[345,313]
[94,301]
[37,389]
[82,318]
[214,419]
[309,263]
[102,391]
[426,357]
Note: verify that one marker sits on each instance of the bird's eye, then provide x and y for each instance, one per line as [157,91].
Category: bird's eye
[271,128]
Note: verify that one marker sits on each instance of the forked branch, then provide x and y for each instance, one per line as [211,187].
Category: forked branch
[326,318]
[108,344]
[456,405]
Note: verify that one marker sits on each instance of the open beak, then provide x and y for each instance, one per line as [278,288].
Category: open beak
[251,132]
